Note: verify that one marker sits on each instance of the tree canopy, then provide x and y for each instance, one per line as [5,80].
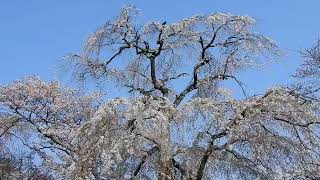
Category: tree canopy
[180,122]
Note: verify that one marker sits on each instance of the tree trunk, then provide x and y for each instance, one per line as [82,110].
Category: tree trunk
[166,166]
[166,170]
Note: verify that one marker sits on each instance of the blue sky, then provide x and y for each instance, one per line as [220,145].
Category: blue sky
[35,34]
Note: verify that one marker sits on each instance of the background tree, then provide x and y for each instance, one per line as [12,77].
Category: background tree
[309,72]
[180,122]
[42,117]
[20,166]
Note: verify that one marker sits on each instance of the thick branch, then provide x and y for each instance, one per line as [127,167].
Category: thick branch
[143,160]
[154,79]
[207,154]
[192,86]
[173,78]
[204,60]
[118,53]
[7,128]
[296,124]
[141,90]
[179,167]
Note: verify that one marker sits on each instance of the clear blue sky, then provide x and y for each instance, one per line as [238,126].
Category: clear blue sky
[35,34]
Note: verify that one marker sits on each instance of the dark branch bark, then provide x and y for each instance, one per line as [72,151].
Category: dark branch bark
[296,124]
[192,86]
[118,53]
[179,167]
[63,147]
[141,90]
[152,58]
[203,163]
[143,160]
[7,128]
[207,154]
[173,78]
[204,60]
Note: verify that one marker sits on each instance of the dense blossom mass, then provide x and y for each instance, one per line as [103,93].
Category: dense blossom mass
[179,121]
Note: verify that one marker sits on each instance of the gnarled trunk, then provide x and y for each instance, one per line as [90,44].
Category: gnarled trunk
[166,167]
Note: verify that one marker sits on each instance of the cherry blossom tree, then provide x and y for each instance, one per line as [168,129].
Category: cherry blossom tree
[308,73]
[180,122]
[21,167]
[42,117]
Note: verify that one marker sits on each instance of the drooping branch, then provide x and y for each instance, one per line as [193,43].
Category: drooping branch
[193,86]
[68,150]
[118,53]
